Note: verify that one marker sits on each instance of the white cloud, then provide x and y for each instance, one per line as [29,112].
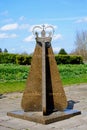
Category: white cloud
[9,27]
[21,18]
[12,50]
[12,36]
[31,28]
[29,38]
[24,26]
[82,20]
[57,36]
[56,49]
[14,26]
[4,35]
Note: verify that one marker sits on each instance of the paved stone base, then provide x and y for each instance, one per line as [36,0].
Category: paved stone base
[39,118]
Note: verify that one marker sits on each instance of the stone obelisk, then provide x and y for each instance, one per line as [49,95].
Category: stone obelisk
[44,100]
[44,91]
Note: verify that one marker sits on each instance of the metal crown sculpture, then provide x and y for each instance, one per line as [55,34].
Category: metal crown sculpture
[43,30]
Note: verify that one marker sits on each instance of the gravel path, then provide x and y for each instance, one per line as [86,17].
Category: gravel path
[12,101]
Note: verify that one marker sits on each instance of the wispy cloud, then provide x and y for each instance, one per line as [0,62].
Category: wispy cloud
[21,18]
[12,50]
[56,49]
[9,27]
[14,26]
[5,35]
[57,37]
[24,26]
[81,20]
[29,38]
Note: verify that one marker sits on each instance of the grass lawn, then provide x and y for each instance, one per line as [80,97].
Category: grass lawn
[73,74]
[13,77]
[14,86]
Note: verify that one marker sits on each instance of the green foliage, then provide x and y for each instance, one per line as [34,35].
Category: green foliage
[15,59]
[10,72]
[0,50]
[68,59]
[7,58]
[13,77]
[5,50]
[12,86]
[73,74]
[23,59]
[62,52]
[26,59]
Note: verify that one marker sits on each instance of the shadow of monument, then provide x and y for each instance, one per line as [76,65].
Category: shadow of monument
[71,104]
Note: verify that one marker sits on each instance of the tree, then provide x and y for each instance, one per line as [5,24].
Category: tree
[0,50]
[5,50]
[81,44]
[62,52]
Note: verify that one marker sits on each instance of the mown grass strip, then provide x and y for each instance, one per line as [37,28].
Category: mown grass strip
[13,77]
[14,86]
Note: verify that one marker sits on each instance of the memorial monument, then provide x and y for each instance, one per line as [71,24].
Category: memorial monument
[44,100]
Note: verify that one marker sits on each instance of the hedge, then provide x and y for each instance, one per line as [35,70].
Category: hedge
[26,59]
[7,58]
[68,59]
[23,59]
[15,59]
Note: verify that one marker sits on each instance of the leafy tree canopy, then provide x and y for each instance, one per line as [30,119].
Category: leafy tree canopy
[62,52]
[0,50]
[5,50]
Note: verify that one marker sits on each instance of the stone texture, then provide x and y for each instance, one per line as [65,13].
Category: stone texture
[39,118]
[55,95]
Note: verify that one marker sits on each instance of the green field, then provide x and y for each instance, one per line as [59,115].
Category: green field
[13,77]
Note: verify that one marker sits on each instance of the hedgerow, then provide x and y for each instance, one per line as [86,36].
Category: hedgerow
[26,59]
[68,59]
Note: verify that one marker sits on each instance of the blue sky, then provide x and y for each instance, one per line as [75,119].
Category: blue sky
[17,17]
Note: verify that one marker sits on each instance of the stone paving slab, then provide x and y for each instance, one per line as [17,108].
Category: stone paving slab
[12,101]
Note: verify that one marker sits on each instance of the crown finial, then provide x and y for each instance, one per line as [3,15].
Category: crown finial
[44,31]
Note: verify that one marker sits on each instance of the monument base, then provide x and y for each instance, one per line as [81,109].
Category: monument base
[39,118]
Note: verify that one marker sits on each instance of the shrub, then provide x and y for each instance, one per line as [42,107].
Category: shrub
[68,59]
[23,59]
[26,59]
[62,52]
[7,58]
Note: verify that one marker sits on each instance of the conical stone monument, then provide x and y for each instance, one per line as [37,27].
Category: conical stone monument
[44,99]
